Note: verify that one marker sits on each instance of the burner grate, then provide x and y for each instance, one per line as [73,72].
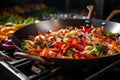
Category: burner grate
[24,69]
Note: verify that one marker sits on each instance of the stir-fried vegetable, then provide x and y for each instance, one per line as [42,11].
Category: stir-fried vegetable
[107,32]
[74,43]
[69,53]
[98,50]
[25,46]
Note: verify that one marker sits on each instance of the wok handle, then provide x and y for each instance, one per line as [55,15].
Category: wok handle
[113,13]
[90,9]
[31,57]
[4,57]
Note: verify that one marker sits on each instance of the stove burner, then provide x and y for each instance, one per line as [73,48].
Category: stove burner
[24,69]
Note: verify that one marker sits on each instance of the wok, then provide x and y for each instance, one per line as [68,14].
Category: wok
[45,26]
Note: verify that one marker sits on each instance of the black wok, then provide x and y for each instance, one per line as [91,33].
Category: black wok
[45,26]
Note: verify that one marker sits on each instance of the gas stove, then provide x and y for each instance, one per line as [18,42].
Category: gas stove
[25,69]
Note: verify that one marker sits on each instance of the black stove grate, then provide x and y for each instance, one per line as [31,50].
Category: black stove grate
[24,69]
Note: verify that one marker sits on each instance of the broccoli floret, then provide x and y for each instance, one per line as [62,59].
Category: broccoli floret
[97,50]
[69,53]
[25,46]
[107,32]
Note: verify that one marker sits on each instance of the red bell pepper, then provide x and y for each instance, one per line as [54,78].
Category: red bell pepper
[86,30]
[65,49]
[37,51]
[53,39]
[77,46]
[58,45]
[46,52]
[83,56]
[84,41]
[83,28]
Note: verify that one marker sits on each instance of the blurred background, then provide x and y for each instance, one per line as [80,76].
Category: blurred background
[102,8]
